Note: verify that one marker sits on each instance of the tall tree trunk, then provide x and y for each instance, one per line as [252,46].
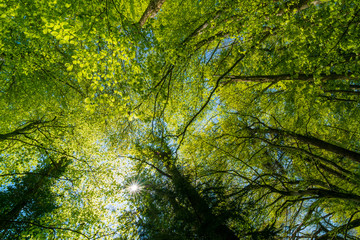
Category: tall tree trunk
[152,9]
[28,195]
[302,5]
[350,92]
[282,77]
[320,193]
[211,225]
[28,128]
[355,156]
[199,30]
[341,229]
[321,162]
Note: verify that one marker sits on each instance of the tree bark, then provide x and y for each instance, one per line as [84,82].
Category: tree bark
[282,77]
[199,30]
[20,131]
[350,92]
[331,234]
[302,5]
[319,192]
[337,172]
[28,195]
[28,128]
[319,143]
[323,193]
[210,225]
[152,9]
[209,222]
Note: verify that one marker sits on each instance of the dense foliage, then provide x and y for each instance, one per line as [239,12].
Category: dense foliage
[218,119]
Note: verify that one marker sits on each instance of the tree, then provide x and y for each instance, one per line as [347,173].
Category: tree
[240,117]
[198,208]
[29,199]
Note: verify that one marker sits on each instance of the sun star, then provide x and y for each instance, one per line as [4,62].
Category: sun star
[134,187]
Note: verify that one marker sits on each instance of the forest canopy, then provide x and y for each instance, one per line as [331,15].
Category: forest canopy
[217,119]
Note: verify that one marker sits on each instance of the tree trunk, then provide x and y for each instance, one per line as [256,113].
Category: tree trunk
[302,5]
[282,77]
[210,225]
[319,143]
[346,227]
[199,30]
[350,92]
[322,193]
[152,9]
[30,127]
[28,195]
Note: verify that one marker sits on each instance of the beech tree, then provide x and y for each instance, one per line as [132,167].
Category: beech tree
[179,119]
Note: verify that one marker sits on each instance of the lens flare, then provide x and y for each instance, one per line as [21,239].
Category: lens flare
[134,188]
